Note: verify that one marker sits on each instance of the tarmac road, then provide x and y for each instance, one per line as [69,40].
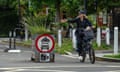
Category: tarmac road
[20,62]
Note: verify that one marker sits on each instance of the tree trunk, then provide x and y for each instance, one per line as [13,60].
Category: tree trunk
[57,6]
[7,4]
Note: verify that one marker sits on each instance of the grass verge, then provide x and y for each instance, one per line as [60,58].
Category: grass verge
[113,56]
[103,46]
[66,46]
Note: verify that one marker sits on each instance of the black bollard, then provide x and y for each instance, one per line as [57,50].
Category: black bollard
[10,39]
[10,42]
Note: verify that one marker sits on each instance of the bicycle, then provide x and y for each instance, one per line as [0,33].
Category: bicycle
[87,49]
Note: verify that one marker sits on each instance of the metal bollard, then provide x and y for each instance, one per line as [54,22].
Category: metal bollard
[14,35]
[107,36]
[99,36]
[74,38]
[115,40]
[59,38]
[10,39]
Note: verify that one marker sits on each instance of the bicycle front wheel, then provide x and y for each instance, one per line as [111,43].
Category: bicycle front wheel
[92,55]
[83,56]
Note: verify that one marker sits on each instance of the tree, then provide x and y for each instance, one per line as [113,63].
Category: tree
[72,7]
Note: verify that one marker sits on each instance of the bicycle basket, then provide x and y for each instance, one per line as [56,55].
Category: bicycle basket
[89,34]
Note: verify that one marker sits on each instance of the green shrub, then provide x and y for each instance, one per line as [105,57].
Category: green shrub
[113,56]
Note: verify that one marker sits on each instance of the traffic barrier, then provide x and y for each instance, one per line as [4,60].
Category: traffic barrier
[43,48]
[12,43]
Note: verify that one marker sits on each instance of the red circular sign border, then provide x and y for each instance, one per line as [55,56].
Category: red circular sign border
[36,43]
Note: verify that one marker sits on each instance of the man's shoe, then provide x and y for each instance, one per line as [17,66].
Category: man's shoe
[80,57]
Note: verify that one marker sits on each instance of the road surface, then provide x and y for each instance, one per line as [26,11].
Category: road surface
[20,62]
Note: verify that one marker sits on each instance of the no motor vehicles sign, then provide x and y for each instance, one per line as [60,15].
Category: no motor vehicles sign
[45,43]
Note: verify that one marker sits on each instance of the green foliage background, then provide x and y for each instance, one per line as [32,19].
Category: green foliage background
[9,9]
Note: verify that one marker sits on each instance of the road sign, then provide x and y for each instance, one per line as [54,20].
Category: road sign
[45,43]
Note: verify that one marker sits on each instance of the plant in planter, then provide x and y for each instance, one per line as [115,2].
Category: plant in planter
[37,24]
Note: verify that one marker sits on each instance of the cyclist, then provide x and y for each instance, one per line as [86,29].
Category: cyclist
[82,23]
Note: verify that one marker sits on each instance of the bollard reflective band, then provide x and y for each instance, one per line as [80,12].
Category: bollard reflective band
[115,28]
[45,38]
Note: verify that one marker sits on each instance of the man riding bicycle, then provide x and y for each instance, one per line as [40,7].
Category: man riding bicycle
[82,23]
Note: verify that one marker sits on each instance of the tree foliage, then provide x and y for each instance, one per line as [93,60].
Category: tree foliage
[70,6]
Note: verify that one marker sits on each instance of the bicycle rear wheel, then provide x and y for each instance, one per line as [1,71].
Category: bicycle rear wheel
[91,55]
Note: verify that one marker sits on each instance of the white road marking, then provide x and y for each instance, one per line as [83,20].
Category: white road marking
[70,56]
[47,70]
[62,66]
[75,56]
[31,69]
[113,71]
[15,70]
[50,68]
[14,51]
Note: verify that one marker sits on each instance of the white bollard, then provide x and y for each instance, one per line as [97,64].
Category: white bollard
[115,40]
[10,34]
[26,34]
[107,36]
[14,34]
[98,37]
[74,38]
[59,38]
[70,33]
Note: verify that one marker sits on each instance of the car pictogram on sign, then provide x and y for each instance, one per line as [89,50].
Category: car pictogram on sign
[45,43]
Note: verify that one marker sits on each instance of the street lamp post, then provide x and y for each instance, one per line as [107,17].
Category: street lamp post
[19,12]
[85,6]
[26,30]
